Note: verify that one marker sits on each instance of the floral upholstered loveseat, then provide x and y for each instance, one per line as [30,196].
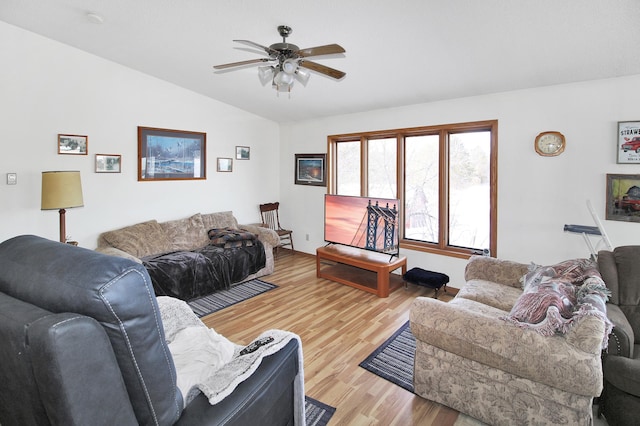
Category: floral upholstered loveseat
[509,356]
[194,256]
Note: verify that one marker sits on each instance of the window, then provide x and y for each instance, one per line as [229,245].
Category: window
[382,168]
[347,168]
[445,177]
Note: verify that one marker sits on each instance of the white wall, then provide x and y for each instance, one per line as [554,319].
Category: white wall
[48,88]
[537,196]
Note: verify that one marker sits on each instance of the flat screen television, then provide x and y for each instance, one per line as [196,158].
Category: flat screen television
[365,222]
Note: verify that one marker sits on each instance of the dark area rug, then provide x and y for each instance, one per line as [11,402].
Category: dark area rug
[317,413]
[393,360]
[222,299]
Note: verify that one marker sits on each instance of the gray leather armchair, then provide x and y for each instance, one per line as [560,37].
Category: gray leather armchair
[620,402]
[82,342]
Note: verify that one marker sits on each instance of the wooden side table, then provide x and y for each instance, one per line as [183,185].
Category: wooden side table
[362,269]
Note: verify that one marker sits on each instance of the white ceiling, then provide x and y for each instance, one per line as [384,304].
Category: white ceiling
[397,52]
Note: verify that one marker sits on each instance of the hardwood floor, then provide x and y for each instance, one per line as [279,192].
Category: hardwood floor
[339,327]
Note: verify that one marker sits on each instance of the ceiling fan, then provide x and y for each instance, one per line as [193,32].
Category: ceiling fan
[287,60]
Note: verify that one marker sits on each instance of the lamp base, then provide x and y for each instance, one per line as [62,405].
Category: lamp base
[63,233]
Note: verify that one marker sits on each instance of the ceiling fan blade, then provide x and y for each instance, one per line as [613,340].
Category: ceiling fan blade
[322,69]
[328,49]
[268,50]
[237,64]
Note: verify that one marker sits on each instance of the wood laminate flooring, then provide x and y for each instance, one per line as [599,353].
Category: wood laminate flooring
[339,327]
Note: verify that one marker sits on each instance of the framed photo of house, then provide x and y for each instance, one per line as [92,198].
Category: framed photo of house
[623,198]
[165,154]
[311,169]
[243,152]
[108,163]
[73,144]
[628,140]
[225,164]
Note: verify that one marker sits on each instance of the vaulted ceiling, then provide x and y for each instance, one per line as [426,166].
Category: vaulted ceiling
[397,53]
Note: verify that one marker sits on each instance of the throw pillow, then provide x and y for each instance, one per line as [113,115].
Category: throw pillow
[219,220]
[535,275]
[139,240]
[186,234]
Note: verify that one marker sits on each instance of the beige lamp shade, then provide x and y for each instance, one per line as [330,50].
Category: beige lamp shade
[61,190]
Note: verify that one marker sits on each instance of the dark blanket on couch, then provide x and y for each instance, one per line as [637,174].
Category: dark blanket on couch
[188,275]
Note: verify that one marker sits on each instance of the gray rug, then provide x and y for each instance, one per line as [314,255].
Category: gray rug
[393,360]
[317,413]
[222,299]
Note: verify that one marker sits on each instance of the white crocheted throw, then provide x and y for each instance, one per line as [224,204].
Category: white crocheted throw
[208,362]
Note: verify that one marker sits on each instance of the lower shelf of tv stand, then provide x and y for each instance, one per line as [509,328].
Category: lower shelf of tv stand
[364,270]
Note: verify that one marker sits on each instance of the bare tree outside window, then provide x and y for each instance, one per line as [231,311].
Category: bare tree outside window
[469,189]
[421,188]
[348,168]
[382,154]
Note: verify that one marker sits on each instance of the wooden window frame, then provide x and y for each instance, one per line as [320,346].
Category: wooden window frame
[443,132]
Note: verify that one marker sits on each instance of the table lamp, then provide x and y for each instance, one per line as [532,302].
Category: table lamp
[60,191]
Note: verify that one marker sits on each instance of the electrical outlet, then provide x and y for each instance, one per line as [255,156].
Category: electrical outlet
[307,237]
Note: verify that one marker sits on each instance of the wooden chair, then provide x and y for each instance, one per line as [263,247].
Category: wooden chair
[271,219]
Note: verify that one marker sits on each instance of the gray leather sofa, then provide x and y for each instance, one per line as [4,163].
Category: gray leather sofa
[620,402]
[82,342]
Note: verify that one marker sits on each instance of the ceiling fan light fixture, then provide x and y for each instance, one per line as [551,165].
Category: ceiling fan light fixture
[290,66]
[283,79]
[286,60]
[265,74]
[302,76]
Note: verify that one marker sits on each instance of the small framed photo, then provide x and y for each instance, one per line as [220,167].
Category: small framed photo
[225,164]
[242,152]
[623,198]
[311,169]
[628,142]
[73,144]
[108,163]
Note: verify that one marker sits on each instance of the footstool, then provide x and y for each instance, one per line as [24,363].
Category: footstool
[430,279]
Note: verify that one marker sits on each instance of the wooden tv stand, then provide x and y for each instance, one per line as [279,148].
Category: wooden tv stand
[362,269]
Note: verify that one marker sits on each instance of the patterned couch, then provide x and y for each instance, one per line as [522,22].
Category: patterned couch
[509,356]
[194,256]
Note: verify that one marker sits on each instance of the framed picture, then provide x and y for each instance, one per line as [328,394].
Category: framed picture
[623,198]
[311,169]
[225,164]
[165,154]
[242,152]
[628,142]
[73,144]
[108,163]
